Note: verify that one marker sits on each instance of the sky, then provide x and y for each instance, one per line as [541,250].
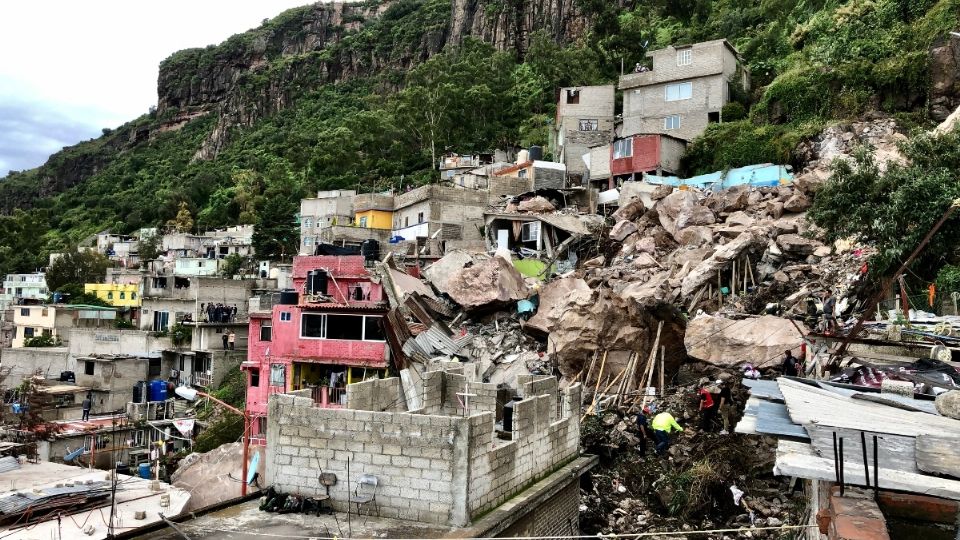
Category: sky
[68,69]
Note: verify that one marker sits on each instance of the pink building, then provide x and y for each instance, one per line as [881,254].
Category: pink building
[327,333]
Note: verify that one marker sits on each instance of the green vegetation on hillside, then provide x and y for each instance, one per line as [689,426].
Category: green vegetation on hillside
[399,105]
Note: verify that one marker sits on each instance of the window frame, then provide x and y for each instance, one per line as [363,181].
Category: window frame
[588,124]
[620,145]
[286,316]
[680,86]
[684,57]
[671,119]
[282,370]
[323,327]
[268,326]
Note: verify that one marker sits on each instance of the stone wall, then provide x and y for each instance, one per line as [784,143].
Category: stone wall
[436,464]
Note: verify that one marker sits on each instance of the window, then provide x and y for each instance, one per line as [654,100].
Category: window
[153,370]
[406,221]
[43,312]
[88,367]
[672,122]
[684,57]
[679,91]
[123,295]
[530,232]
[284,316]
[308,241]
[363,222]
[589,125]
[133,296]
[109,295]
[255,378]
[573,96]
[161,320]
[307,223]
[420,217]
[28,332]
[266,332]
[24,312]
[345,327]
[623,148]
[522,173]
[137,438]
[278,376]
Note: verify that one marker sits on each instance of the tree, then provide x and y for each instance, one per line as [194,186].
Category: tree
[893,209]
[76,267]
[183,222]
[276,235]
[234,264]
[148,247]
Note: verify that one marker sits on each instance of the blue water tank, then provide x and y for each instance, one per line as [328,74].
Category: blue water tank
[144,470]
[157,390]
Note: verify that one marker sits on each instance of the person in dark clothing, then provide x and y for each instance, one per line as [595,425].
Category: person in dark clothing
[644,427]
[87,403]
[725,404]
[225,338]
[233,313]
[829,312]
[791,366]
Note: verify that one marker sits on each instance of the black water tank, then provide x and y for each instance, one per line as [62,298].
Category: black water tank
[508,413]
[68,376]
[289,297]
[536,153]
[370,249]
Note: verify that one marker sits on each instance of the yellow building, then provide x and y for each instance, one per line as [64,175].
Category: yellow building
[374,219]
[115,294]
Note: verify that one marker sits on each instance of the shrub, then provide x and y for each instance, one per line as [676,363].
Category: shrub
[733,112]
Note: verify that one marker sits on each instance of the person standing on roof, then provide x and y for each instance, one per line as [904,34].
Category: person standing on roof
[829,312]
[663,424]
[791,366]
[87,403]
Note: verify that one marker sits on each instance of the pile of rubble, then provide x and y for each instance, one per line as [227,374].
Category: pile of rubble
[690,487]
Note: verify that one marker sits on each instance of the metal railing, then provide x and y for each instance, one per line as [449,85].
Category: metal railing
[329,397]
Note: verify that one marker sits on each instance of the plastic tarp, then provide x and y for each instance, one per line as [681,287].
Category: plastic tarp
[761,175]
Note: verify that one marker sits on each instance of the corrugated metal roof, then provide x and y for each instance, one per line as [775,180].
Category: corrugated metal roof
[773,419]
[764,389]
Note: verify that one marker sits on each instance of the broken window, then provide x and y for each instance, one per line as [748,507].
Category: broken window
[623,148]
[589,124]
[678,91]
[530,231]
[278,375]
[573,96]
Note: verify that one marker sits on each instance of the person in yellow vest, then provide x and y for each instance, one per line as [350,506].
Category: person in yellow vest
[663,424]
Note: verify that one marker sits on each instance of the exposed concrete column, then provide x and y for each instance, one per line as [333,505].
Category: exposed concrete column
[459,510]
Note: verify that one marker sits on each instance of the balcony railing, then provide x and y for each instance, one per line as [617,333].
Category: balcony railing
[326,397]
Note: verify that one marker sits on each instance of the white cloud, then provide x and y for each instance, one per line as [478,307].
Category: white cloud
[69,69]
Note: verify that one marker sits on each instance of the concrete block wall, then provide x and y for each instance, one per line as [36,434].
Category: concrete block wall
[376,395]
[508,186]
[419,460]
[540,444]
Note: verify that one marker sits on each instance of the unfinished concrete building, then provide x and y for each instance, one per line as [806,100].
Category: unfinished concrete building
[443,451]
[584,120]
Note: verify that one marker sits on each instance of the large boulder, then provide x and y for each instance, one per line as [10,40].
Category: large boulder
[682,209]
[557,297]
[798,202]
[695,236]
[491,284]
[536,205]
[725,342]
[707,270]
[630,211]
[796,245]
[443,270]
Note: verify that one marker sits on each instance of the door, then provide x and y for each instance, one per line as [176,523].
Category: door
[503,236]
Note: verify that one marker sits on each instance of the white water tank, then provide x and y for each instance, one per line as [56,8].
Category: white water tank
[523,156]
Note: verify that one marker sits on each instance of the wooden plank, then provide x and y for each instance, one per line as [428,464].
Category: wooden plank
[894,451]
[938,455]
[799,459]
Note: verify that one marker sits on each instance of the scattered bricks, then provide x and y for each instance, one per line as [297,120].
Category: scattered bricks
[856,517]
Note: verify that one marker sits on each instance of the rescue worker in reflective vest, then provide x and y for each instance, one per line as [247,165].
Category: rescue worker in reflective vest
[663,424]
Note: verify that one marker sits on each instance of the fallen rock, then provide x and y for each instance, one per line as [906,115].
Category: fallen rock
[622,230]
[489,284]
[557,297]
[695,236]
[707,269]
[682,209]
[445,268]
[725,342]
[646,245]
[536,205]
[739,218]
[775,209]
[948,404]
[661,192]
[785,225]
[595,262]
[630,211]
[798,202]
[822,251]
[794,244]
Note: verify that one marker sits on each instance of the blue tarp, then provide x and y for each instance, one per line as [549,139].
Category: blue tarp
[762,175]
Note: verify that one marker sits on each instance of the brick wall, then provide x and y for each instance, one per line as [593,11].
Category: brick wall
[558,516]
[377,395]
[434,468]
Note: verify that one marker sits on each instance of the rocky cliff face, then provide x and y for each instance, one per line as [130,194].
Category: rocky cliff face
[261,72]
